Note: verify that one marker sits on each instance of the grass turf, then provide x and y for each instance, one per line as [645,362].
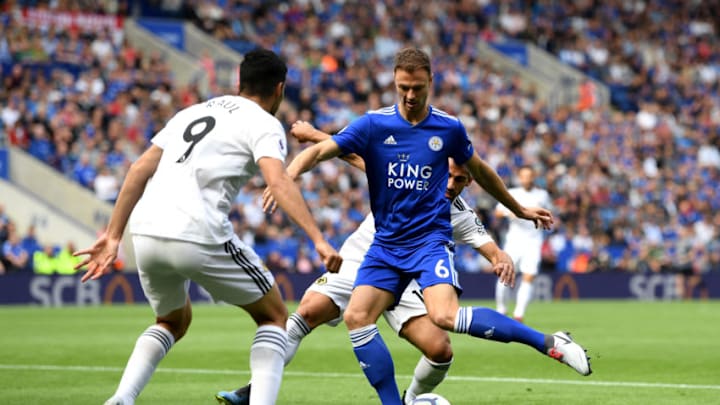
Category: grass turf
[642,353]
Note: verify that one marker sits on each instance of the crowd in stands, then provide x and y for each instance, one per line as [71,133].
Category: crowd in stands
[20,252]
[634,184]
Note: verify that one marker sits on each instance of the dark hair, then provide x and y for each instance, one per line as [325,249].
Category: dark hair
[412,59]
[260,72]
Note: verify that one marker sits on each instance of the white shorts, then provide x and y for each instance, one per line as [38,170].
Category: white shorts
[338,287]
[525,256]
[231,272]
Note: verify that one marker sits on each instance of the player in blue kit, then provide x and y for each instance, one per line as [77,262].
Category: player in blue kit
[406,149]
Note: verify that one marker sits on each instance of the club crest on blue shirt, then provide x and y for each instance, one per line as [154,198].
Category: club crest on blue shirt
[435,143]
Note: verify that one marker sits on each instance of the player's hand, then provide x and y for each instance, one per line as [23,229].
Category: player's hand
[329,256]
[102,255]
[303,131]
[505,270]
[541,217]
[269,203]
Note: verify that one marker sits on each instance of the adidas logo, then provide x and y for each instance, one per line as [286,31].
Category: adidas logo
[390,140]
[489,333]
[364,365]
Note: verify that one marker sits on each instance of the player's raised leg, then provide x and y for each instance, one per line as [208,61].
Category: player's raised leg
[445,311]
[366,305]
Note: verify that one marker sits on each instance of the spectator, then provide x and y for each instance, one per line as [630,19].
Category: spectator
[45,261]
[65,261]
[622,171]
[106,185]
[16,258]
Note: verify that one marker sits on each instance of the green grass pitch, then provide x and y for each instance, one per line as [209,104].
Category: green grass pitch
[642,353]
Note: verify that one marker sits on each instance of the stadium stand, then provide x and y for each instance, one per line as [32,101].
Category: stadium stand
[634,184]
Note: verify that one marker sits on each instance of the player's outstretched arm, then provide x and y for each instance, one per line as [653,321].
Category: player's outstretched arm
[502,264]
[303,131]
[104,251]
[310,157]
[287,195]
[488,179]
[303,162]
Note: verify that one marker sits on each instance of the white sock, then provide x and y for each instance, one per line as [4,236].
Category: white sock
[297,329]
[524,296]
[428,375]
[502,296]
[149,349]
[266,364]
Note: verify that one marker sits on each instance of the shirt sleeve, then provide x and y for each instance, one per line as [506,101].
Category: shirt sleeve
[354,137]
[270,142]
[469,230]
[163,137]
[462,149]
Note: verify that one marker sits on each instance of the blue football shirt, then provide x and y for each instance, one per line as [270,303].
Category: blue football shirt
[407,171]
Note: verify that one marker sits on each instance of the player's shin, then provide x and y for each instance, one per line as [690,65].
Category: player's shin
[428,375]
[488,324]
[524,296]
[376,362]
[297,329]
[150,348]
[266,364]
[502,296]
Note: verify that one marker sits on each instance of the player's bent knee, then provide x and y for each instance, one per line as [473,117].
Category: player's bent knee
[443,320]
[439,351]
[318,310]
[177,327]
[442,354]
[357,319]
[269,310]
[177,321]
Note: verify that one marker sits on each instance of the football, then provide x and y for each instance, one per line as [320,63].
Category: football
[430,399]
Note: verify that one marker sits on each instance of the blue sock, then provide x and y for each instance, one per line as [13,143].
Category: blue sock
[488,324]
[376,362]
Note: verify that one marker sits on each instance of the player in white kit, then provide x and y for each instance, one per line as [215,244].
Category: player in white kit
[180,192]
[325,300]
[523,242]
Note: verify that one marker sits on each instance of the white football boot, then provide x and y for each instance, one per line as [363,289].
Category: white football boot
[565,350]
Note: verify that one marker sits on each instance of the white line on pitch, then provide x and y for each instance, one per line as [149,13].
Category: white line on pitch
[621,384]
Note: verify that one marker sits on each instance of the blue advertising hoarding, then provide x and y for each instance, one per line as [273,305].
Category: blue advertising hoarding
[513,50]
[170,31]
[118,288]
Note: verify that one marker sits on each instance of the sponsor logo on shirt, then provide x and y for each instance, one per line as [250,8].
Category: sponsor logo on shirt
[390,140]
[403,175]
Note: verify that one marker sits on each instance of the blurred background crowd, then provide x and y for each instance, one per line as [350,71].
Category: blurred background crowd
[634,184]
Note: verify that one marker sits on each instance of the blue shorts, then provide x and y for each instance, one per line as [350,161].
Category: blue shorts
[391,269]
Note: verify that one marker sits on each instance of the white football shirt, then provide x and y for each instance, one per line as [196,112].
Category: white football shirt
[467,229]
[521,231]
[210,150]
